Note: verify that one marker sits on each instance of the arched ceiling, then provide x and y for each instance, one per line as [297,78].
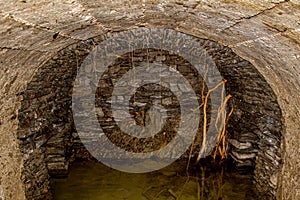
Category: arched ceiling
[266,33]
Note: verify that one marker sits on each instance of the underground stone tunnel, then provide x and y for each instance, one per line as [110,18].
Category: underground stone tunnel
[49,141]
[38,96]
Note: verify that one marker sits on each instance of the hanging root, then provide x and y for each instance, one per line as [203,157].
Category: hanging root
[221,123]
[222,144]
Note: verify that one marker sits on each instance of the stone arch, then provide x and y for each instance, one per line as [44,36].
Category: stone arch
[272,47]
[46,130]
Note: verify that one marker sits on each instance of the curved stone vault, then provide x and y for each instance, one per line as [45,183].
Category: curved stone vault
[265,34]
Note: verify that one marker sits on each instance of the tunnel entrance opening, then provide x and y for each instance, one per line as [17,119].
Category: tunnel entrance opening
[49,141]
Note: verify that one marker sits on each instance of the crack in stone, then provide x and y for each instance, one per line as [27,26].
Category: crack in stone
[275,27]
[240,20]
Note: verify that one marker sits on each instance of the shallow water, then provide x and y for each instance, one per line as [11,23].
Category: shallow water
[94,181]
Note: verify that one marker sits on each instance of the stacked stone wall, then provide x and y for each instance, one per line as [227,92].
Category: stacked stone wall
[48,137]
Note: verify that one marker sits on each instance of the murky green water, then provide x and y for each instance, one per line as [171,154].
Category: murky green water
[95,181]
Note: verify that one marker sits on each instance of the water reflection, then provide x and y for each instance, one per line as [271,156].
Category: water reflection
[94,181]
